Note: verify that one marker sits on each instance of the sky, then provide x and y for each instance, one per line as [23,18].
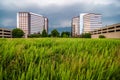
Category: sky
[59,12]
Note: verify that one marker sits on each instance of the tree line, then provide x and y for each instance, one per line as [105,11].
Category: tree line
[18,33]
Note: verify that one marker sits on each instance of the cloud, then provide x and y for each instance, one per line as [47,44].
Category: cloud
[65,23]
[59,12]
[46,3]
[62,23]
[8,21]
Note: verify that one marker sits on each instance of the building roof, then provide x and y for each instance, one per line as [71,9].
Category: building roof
[92,13]
[5,29]
[32,13]
[109,26]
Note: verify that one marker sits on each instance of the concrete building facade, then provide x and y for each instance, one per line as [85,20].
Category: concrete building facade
[91,21]
[86,23]
[5,33]
[82,22]
[75,27]
[31,23]
[111,31]
[46,24]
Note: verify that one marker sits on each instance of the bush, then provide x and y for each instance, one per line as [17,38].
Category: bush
[17,33]
[101,36]
[55,33]
[44,33]
[65,34]
[34,35]
[86,35]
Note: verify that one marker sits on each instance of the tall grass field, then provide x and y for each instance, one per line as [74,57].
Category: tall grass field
[59,59]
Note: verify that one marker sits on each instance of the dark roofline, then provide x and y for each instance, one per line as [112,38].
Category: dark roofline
[108,26]
[6,29]
[76,17]
[93,13]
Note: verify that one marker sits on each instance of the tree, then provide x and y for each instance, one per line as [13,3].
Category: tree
[17,33]
[55,33]
[34,35]
[65,34]
[49,35]
[86,35]
[101,36]
[44,33]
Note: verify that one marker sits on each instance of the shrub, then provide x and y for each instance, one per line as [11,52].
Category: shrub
[101,36]
[65,34]
[17,33]
[86,35]
[44,33]
[34,35]
[55,33]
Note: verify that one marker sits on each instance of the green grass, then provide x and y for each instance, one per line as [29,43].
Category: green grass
[59,59]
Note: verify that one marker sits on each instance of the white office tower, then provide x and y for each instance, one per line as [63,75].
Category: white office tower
[90,22]
[75,26]
[46,24]
[82,23]
[31,23]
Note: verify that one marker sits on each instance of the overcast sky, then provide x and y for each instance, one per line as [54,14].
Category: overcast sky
[60,12]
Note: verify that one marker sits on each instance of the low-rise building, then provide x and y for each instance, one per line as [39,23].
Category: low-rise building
[111,31]
[5,33]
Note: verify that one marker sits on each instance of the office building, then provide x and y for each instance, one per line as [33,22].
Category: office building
[85,23]
[75,26]
[82,22]
[31,23]
[91,21]
[5,33]
[46,24]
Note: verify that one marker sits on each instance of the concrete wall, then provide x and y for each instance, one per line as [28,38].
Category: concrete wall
[108,35]
[5,33]
[111,31]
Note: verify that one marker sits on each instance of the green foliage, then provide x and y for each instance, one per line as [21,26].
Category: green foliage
[65,34]
[44,33]
[59,59]
[49,35]
[17,33]
[86,35]
[55,33]
[34,36]
[101,36]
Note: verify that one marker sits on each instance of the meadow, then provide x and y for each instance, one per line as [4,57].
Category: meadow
[59,59]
